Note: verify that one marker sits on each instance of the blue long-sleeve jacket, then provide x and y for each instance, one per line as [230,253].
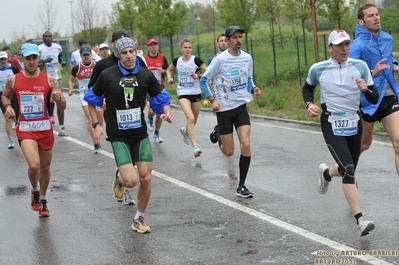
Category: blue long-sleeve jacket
[371,49]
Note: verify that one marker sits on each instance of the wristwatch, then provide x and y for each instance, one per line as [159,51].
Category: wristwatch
[307,104]
[94,124]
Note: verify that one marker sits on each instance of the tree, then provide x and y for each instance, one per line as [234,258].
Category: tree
[161,18]
[87,18]
[271,9]
[389,16]
[237,12]
[99,36]
[123,16]
[300,9]
[46,18]
[334,10]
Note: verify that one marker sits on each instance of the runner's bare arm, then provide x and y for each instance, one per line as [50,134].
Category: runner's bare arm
[5,99]
[56,93]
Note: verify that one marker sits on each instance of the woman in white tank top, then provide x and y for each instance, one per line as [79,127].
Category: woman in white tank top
[188,90]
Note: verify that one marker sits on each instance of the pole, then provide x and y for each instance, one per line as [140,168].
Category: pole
[73,30]
[197,18]
[314,24]
[214,26]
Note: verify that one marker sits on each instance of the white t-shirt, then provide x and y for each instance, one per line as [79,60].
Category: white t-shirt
[230,76]
[51,52]
[76,59]
[141,54]
[338,87]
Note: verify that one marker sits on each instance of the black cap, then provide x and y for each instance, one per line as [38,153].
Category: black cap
[119,34]
[230,31]
[85,50]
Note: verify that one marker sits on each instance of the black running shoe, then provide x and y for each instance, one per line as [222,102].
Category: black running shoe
[242,191]
[212,136]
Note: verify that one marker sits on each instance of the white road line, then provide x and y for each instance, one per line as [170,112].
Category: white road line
[308,131]
[302,232]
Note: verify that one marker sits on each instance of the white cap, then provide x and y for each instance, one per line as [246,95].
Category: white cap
[3,55]
[102,45]
[338,36]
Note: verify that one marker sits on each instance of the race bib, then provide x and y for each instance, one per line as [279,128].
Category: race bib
[238,80]
[128,118]
[185,78]
[32,106]
[2,85]
[157,75]
[84,85]
[343,123]
[32,126]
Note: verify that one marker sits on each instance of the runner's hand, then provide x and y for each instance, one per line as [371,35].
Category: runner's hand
[257,92]
[167,117]
[98,131]
[216,106]
[313,110]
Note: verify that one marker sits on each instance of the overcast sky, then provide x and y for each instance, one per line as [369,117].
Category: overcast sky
[18,16]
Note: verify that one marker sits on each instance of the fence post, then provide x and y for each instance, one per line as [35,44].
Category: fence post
[299,61]
[274,58]
[325,47]
[253,59]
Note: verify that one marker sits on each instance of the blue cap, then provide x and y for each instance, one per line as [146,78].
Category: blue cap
[29,49]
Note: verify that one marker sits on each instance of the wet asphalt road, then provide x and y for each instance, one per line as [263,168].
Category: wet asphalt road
[194,214]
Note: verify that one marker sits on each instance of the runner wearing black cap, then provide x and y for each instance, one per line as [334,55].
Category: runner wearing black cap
[231,72]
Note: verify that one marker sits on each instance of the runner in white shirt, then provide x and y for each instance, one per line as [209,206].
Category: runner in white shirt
[343,81]
[82,73]
[7,70]
[103,50]
[50,56]
[140,53]
[75,56]
[188,90]
[231,72]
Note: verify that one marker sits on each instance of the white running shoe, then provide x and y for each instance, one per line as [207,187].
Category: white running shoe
[322,184]
[128,198]
[365,226]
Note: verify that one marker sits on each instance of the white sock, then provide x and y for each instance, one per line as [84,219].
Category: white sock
[138,214]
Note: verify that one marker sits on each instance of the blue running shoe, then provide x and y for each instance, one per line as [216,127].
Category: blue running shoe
[11,144]
[97,149]
[150,124]
[186,139]
[197,151]
[157,138]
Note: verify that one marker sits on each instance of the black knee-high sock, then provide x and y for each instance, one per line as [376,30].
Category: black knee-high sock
[244,167]
[217,134]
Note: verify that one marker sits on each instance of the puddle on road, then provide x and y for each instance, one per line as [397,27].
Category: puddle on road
[23,190]
[59,187]
[15,191]
[219,228]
